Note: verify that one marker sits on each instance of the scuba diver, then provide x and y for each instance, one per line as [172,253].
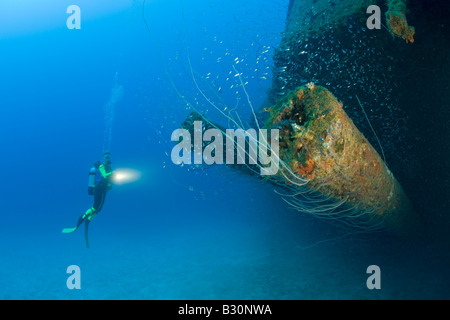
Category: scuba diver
[99,185]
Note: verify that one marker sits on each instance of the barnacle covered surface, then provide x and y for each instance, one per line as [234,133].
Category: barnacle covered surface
[320,143]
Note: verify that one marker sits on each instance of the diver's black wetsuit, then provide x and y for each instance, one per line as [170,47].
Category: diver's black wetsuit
[100,190]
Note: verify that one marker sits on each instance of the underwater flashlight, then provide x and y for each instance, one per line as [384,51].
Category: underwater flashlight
[122,176]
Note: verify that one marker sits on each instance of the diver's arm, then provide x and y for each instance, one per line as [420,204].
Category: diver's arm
[103,171]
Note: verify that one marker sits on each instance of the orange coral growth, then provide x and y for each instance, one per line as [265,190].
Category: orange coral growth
[376,166]
[399,26]
[328,164]
[300,94]
[307,169]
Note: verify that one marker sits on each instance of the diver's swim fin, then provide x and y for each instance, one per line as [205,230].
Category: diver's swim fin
[80,221]
[69,230]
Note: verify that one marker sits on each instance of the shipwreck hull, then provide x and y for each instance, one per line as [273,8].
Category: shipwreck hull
[319,143]
[327,166]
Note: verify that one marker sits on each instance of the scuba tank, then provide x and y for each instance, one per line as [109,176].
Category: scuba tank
[91,183]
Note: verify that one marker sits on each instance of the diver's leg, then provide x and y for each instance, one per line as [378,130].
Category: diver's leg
[99,199]
[86,225]
[89,213]
[102,199]
[81,219]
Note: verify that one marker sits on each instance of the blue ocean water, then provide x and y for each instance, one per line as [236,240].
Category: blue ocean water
[176,233]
